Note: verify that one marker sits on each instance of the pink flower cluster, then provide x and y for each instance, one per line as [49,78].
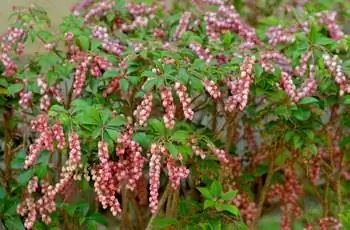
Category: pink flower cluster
[212,89]
[271,56]
[143,111]
[25,99]
[328,19]
[169,107]
[45,140]
[289,194]
[214,2]
[141,15]
[308,87]
[314,169]
[108,44]
[140,9]
[227,19]
[98,65]
[203,54]
[130,167]
[32,185]
[232,167]
[221,155]
[28,208]
[185,100]
[9,64]
[246,207]
[46,204]
[301,68]
[239,88]
[329,222]
[45,90]
[287,84]
[334,66]
[183,25]
[58,134]
[45,103]
[195,148]
[278,35]
[56,92]
[80,76]
[98,10]
[83,5]
[176,173]
[12,37]
[112,86]
[154,177]
[198,151]
[104,184]
[158,33]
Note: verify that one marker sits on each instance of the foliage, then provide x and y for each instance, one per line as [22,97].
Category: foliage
[203,114]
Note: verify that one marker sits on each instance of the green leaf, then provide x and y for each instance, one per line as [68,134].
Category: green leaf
[18,162]
[216,188]
[41,171]
[58,109]
[258,70]
[14,88]
[83,208]
[149,84]
[310,134]
[229,195]
[260,170]
[46,35]
[302,114]
[14,223]
[98,218]
[117,122]
[157,126]
[308,100]
[113,134]
[2,193]
[70,209]
[110,74]
[313,149]
[313,33]
[297,141]
[44,157]
[229,208]
[172,149]
[323,41]
[25,176]
[91,225]
[180,136]
[196,84]
[183,75]
[205,192]
[162,222]
[143,139]
[47,60]
[104,115]
[84,42]
[281,159]
[208,204]
[347,99]
[124,85]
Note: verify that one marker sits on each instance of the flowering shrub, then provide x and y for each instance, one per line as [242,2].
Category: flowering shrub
[174,115]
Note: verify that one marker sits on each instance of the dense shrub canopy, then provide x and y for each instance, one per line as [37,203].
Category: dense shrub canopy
[202,114]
